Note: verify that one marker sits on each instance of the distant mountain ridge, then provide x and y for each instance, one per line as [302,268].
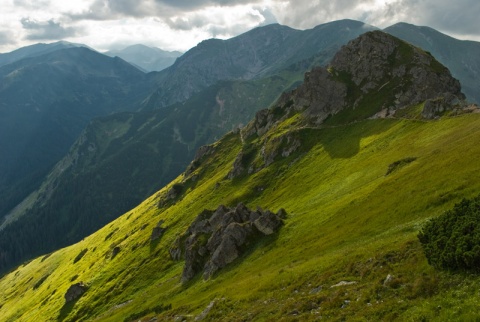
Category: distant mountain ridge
[35,50]
[47,100]
[257,53]
[147,58]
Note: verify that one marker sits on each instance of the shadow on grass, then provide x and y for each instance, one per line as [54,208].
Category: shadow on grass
[343,142]
[65,310]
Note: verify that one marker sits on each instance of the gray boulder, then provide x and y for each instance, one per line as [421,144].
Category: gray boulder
[75,291]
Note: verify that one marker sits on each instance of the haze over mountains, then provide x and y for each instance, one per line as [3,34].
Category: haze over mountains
[344,170]
[215,87]
[47,100]
[147,58]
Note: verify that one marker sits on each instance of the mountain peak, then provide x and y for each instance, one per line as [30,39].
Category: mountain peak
[373,75]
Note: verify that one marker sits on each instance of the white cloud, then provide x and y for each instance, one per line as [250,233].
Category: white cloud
[181,24]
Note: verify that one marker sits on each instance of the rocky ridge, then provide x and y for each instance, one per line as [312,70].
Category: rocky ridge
[375,71]
[374,75]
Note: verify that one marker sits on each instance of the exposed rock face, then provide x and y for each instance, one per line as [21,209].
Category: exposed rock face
[75,291]
[238,166]
[217,238]
[377,59]
[375,71]
[435,107]
[320,95]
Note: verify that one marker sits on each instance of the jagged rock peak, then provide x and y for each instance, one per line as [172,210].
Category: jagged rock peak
[376,59]
[372,73]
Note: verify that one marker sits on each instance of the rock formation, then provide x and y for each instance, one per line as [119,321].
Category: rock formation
[217,238]
[75,291]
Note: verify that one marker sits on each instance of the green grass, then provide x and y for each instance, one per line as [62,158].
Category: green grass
[346,221]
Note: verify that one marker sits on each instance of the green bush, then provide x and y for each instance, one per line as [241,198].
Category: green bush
[452,240]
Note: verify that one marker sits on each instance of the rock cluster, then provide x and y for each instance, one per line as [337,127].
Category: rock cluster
[75,291]
[217,238]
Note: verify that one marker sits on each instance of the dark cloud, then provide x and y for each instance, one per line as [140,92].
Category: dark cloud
[192,5]
[46,30]
[458,16]
[307,13]
[165,9]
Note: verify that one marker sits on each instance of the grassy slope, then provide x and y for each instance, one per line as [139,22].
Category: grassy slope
[347,222]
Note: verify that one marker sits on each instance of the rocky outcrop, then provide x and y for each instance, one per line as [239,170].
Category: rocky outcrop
[75,291]
[436,107]
[377,60]
[238,167]
[320,96]
[217,238]
[374,72]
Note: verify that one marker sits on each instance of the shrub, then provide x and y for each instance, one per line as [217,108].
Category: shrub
[452,240]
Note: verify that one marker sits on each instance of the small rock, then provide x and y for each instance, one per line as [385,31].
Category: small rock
[316,290]
[205,312]
[75,291]
[388,280]
[343,283]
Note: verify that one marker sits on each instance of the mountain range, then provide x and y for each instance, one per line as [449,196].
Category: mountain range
[310,211]
[88,137]
[229,79]
[229,104]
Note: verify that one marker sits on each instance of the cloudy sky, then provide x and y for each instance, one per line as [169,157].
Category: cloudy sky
[181,24]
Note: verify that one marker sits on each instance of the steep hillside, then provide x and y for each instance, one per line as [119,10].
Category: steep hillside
[461,57]
[46,101]
[120,160]
[356,191]
[147,58]
[258,53]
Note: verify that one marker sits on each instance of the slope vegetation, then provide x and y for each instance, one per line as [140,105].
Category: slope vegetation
[120,160]
[356,192]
